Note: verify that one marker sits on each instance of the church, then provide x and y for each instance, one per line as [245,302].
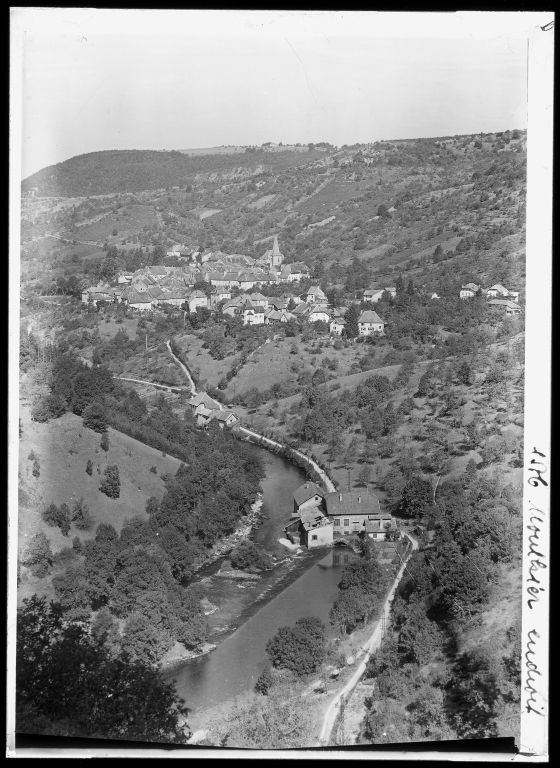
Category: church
[273,258]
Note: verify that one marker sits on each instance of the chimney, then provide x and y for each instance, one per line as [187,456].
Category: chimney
[340,497]
[359,499]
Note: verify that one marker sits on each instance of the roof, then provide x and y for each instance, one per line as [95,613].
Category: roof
[258,297]
[369,316]
[204,399]
[315,290]
[352,502]
[505,303]
[197,295]
[316,310]
[221,415]
[307,491]
[470,287]
[500,288]
[313,518]
[136,297]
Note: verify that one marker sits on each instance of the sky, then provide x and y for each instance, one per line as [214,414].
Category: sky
[95,80]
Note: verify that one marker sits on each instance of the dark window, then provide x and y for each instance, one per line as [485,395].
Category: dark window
[346,523]
[336,522]
[314,538]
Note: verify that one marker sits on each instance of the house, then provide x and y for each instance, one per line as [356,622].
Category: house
[350,511]
[469,290]
[307,496]
[506,305]
[294,273]
[315,295]
[124,277]
[97,293]
[174,297]
[373,295]
[223,418]
[275,316]
[203,405]
[197,299]
[252,315]
[218,295]
[337,325]
[139,300]
[259,300]
[302,310]
[369,323]
[498,291]
[316,530]
[318,314]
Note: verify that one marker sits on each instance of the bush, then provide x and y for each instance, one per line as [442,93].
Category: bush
[111,484]
[81,516]
[94,417]
[48,407]
[36,468]
[248,555]
[89,467]
[104,443]
[301,648]
[57,517]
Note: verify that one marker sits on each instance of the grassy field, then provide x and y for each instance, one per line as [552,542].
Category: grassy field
[63,447]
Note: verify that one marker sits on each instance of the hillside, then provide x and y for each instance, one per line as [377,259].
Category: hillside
[63,447]
[113,171]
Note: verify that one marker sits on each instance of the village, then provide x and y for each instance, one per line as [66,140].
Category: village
[233,279]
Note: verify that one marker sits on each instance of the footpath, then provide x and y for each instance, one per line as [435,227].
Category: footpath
[368,648]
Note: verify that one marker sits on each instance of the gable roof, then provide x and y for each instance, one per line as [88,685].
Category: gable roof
[470,287]
[307,491]
[352,502]
[204,399]
[369,316]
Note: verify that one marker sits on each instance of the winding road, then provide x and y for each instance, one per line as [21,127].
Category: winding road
[329,485]
[371,645]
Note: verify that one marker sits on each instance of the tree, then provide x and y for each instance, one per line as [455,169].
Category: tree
[301,648]
[264,682]
[36,468]
[58,517]
[89,467]
[351,329]
[464,374]
[142,642]
[416,498]
[81,516]
[94,417]
[111,484]
[67,684]
[38,555]
[104,442]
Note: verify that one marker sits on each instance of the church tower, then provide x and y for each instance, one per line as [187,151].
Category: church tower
[276,258]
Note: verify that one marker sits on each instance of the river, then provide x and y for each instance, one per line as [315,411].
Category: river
[251,612]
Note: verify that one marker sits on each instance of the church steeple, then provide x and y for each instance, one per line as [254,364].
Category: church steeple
[276,257]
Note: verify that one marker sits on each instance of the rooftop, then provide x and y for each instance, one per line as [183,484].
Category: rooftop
[352,502]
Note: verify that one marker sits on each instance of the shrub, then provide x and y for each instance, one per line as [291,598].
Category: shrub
[111,484]
[81,516]
[249,555]
[301,648]
[89,467]
[94,417]
[104,443]
[57,517]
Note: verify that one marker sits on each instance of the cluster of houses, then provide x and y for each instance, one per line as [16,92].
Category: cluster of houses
[503,299]
[207,410]
[155,286]
[320,519]
[159,285]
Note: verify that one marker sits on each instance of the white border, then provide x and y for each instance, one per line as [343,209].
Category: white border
[527,25]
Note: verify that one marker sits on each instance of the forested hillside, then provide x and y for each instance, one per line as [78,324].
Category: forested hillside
[102,173]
